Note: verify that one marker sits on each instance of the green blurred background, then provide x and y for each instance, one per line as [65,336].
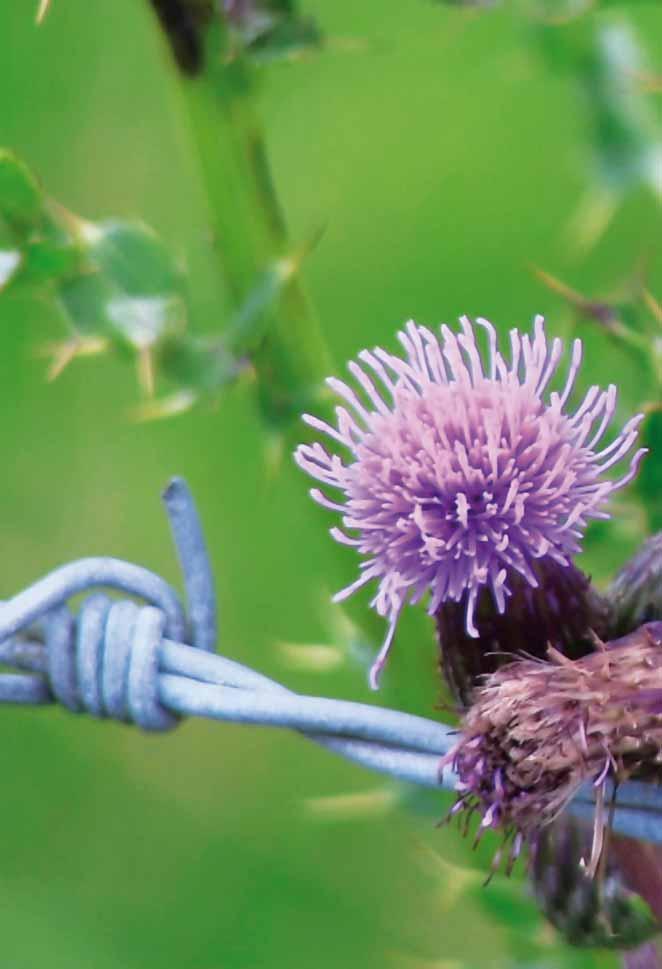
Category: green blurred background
[444,156]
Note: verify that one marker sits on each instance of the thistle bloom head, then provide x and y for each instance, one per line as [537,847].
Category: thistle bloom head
[462,469]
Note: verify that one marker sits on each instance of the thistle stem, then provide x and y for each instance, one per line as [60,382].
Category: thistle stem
[283,336]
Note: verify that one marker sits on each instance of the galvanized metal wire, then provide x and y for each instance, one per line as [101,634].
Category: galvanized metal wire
[151,662]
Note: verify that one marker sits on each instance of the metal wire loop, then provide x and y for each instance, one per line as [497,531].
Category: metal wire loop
[106,662]
[150,662]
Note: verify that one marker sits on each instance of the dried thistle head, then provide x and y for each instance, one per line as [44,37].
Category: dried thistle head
[538,730]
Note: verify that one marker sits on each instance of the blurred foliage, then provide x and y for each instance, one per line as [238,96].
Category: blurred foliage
[272,324]
[271,30]
[605,60]
[446,151]
[598,912]
[118,287]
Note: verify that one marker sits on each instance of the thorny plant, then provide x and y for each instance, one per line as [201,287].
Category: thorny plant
[270,331]
[467,476]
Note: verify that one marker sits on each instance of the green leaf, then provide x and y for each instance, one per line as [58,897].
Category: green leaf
[139,289]
[21,198]
[273,30]
[46,260]
[118,286]
[85,299]
[287,40]
[133,257]
[197,364]
[627,135]
[128,289]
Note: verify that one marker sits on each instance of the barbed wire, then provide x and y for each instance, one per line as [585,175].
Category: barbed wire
[150,663]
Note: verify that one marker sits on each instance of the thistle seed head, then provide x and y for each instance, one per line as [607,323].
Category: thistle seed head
[538,730]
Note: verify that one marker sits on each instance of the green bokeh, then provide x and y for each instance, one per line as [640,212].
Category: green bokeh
[444,158]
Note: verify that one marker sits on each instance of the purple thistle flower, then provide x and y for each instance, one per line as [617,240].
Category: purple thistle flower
[464,470]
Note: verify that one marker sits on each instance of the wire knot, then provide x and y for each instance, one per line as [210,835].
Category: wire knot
[105,662]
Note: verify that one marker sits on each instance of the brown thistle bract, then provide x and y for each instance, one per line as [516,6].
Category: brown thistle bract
[564,610]
[539,729]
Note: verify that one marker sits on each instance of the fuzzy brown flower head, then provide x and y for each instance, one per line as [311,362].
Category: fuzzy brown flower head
[539,729]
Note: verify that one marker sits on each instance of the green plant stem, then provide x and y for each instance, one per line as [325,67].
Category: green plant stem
[289,352]
[284,340]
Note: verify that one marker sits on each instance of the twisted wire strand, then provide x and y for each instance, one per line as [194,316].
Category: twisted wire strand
[151,662]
